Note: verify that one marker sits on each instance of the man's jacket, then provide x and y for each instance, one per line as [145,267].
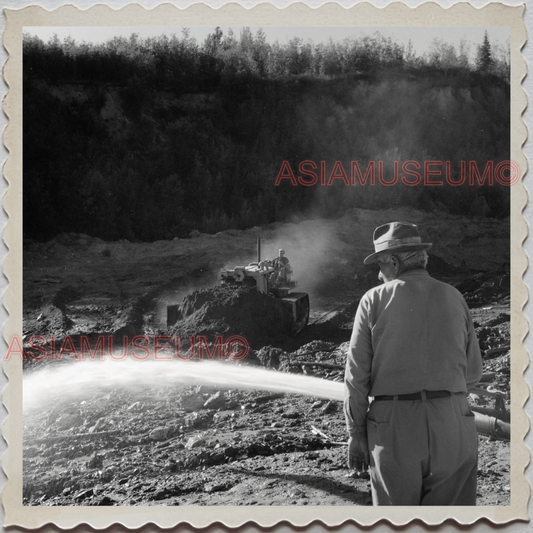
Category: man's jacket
[410,334]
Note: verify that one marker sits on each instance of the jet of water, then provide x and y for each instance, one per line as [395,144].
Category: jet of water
[82,379]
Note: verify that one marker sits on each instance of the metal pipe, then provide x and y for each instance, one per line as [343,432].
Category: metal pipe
[504,416]
[488,425]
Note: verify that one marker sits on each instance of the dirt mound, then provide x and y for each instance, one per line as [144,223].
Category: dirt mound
[64,296]
[271,357]
[233,311]
[51,321]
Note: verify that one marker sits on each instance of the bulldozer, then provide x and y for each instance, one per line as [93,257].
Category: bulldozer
[263,275]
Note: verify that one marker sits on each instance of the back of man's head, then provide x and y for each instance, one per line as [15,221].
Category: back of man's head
[409,260]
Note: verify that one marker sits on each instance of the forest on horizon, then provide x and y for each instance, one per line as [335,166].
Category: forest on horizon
[147,139]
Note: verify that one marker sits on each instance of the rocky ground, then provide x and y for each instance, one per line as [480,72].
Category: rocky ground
[187,444]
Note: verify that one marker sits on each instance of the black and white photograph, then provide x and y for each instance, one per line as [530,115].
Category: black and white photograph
[267,266]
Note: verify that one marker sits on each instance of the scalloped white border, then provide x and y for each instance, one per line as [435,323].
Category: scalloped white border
[396,14]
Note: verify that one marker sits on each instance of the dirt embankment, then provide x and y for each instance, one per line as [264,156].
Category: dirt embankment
[77,285]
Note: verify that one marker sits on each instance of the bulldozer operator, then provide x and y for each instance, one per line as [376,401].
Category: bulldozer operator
[283,271]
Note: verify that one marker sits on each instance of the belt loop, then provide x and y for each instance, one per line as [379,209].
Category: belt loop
[423,394]
[395,397]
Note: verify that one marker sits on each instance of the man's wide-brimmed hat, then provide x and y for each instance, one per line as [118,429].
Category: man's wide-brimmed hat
[396,237]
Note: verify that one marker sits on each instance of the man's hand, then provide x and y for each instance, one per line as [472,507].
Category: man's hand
[358,455]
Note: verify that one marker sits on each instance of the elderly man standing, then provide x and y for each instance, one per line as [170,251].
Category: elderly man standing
[415,352]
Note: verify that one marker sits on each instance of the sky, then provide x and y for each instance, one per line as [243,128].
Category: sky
[421,37]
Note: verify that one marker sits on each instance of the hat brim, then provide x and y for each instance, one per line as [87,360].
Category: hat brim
[399,248]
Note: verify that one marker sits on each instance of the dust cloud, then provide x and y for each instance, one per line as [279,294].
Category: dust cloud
[310,247]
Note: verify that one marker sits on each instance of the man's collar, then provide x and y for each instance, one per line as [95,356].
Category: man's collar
[413,272]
